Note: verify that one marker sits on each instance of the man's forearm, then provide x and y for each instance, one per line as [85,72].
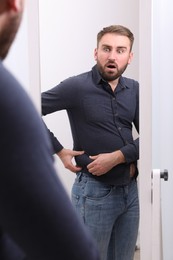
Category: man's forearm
[131,151]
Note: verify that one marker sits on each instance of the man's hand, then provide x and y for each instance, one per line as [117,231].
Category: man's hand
[66,156]
[104,162]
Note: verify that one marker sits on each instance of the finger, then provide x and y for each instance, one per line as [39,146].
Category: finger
[96,173]
[75,169]
[78,152]
[90,166]
[92,170]
[93,157]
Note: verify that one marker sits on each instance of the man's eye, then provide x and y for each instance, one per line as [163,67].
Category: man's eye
[120,51]
[106,49]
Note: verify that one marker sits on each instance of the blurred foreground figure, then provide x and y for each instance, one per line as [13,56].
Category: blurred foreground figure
[37,220]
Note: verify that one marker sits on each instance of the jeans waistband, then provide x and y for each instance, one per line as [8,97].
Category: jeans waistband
[89,175]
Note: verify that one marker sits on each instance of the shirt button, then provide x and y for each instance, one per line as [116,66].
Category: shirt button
[119,128]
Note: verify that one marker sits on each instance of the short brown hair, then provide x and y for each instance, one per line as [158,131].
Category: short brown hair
[117,29]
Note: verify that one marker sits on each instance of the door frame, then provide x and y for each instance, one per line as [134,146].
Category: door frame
[145,163]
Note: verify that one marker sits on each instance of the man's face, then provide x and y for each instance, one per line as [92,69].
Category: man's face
[9,24]
[113,55]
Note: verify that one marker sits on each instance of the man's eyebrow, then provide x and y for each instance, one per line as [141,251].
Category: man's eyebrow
[106,45]
[118,47]
[121,47]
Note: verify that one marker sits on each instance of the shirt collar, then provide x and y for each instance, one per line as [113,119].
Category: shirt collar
[98,78]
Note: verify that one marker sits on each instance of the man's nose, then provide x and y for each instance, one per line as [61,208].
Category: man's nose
[112,55]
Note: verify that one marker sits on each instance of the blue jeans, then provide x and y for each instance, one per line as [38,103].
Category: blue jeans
[111,213]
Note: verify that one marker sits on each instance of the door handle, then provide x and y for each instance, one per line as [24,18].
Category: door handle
[164,175]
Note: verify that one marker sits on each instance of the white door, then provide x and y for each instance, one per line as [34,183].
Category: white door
[156,55]
[162,92]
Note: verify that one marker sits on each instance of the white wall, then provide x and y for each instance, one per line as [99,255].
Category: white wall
[17,59]
[162,93]
[23,58]
[68,31]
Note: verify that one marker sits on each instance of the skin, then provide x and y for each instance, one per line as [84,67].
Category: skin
[10,17]
[113,55]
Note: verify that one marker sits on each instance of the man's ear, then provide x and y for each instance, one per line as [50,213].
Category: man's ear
[15,5]
[95,53]
[130,58]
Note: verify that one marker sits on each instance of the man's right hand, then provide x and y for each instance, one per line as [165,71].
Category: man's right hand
[66,156]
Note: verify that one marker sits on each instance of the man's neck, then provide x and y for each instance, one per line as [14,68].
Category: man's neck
[113,84]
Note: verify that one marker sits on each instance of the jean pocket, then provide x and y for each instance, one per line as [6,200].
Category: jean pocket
[97,190]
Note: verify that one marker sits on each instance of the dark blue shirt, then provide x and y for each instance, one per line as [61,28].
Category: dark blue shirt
[37,220]
[101,120]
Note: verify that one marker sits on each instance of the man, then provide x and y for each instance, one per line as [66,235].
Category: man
[102,105]
[37,220]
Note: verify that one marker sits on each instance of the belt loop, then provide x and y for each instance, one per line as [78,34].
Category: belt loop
[126,190]
[79,176]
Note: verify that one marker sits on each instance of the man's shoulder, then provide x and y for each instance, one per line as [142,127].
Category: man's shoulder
[129,82]
[80,76]
[3,70]
[6,78]
[77,80]
[12,93]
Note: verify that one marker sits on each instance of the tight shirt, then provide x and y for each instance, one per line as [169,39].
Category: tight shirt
[101,120]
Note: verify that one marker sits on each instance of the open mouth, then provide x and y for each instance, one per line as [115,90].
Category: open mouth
[111,66]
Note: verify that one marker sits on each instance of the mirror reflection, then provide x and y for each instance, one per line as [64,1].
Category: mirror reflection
[101,105]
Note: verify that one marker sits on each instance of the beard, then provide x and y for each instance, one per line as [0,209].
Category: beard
[7,34]
[111,75]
